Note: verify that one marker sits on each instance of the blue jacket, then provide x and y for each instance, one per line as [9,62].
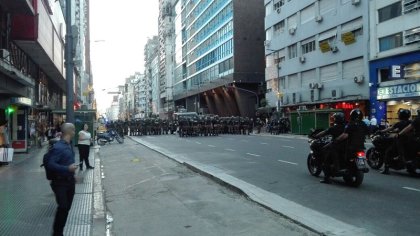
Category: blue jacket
[62,155]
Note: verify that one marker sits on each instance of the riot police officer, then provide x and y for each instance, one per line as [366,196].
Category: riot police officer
[404,120]
[354,133]
[331,151]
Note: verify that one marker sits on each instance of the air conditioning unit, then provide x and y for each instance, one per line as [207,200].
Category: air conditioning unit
[355,2]
[267,43]
[295,98]
[5,55]
[319,85]
[292,30]
[278,10]
[335,93]
[277,61]
[312,85]
[314,95]
[318,18]
[302,108]
[334,49]
[302,59]
[359,79]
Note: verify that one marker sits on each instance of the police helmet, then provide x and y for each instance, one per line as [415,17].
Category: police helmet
[404,114]
[356,115]
[338,117]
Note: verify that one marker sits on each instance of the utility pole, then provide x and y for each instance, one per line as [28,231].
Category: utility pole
[69,66]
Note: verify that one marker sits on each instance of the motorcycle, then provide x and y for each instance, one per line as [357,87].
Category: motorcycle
[108,137]
[351,169]
[382,142]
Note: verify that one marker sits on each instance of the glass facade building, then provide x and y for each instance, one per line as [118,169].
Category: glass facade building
[204,42]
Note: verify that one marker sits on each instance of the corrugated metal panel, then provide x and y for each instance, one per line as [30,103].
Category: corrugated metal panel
[353,68]
[293,81]
[329,73]
[308,77]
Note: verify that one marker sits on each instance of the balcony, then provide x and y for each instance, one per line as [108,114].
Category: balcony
[43,41]
[20,6]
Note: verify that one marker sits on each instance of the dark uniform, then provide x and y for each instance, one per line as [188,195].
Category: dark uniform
[332,151]
[62,183]
[357,132]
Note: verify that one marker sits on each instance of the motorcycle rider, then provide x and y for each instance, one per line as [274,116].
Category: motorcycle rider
[412,143]
[404,116]
[354,133]
[331,151]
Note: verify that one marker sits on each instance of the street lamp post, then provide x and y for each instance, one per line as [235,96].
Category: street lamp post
[69,66]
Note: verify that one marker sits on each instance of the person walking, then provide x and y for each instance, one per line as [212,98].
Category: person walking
[84,146]
[4,138]
[62,166]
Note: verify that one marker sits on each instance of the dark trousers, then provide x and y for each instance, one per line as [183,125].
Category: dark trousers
[84,154]
[64,194]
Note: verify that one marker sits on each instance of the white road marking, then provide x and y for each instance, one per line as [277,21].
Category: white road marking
[289,147]
[211,145]
[288,162]
[230,150]
[255,155]
[412,189]
[197,142]
[264,143]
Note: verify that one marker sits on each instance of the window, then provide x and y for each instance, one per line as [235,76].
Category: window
[308,47]
[390,42]
[389,12]
[279,27]
[278,4]
[292,51]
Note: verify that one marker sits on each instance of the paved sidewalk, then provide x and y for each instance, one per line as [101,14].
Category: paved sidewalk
[27,203]
[148,194]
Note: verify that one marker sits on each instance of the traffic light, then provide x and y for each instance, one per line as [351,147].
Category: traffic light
[10,110]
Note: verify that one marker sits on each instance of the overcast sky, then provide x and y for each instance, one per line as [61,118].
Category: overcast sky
[119,31]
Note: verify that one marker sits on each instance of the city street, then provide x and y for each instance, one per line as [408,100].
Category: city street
[148,194]
[383,205]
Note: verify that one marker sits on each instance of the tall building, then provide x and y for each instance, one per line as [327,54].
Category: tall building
[151,72]
[166,39]
[317,54]
[32,79]
[80,26]
[395,58]
[219,56]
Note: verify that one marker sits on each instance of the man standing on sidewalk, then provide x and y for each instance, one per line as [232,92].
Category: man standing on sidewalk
[63,167]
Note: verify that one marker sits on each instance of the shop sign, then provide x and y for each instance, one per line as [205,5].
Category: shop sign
[21,101]
[399,91]
[397,72]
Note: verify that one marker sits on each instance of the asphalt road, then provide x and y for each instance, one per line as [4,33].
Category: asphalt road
[384,205]
[148,194]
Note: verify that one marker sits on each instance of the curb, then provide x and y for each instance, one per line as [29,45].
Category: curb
[303,216]
[99,212]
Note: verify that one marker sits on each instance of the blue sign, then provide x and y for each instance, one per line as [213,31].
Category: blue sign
[399,91]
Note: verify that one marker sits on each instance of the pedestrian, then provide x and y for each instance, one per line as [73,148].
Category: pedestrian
[85,139]
[4,137]
[373,124]
[63,183]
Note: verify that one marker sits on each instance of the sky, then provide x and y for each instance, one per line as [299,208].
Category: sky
[119,32]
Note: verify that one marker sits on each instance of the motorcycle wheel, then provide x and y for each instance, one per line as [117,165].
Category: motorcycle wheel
[101,141]
[373,159]
[119,139]
[313,167]
[354,180]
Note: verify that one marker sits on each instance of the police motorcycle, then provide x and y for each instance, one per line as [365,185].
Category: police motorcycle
[351,165]
[108,137]
[384,144]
